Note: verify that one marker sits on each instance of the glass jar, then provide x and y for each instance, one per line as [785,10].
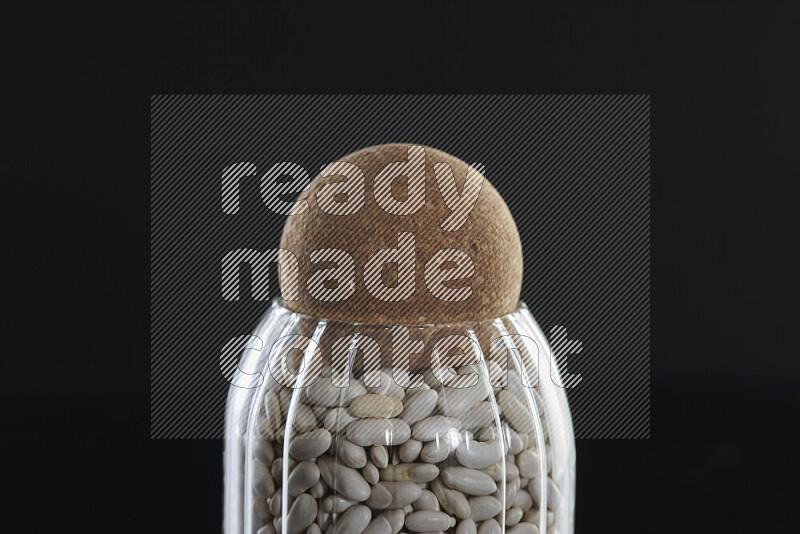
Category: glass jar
[341,427]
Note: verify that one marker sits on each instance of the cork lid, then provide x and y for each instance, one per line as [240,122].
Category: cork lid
[401,234]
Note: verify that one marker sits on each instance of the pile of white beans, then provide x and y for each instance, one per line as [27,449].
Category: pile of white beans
[387,460]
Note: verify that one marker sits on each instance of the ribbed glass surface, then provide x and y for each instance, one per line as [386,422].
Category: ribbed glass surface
[384,429]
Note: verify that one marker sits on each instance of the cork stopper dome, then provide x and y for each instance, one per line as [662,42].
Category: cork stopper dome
[445,252]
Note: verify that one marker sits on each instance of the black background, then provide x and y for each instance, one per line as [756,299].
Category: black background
[724,81]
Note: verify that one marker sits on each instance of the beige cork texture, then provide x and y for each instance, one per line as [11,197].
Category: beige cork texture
[488,236]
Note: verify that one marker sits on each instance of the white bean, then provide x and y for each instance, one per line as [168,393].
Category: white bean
[489,526]
[310,445]
[318,490]
[304,418]
[515,443]
[431,427]
[378,432]
[371,473]
[451,500]
[302,477]
[430,379]
[512,488]
[525,528]
[515,411]
[336,504]
[478,455]
[351,454]
[419,405]
[380,498]
[513,516]
[467,526]
[379,456]
[261,508]
[262,480]
[426,501]
[436,451]
[301,514]
[427,521]
[484,507]
[456,401]
[512,471]
[528,463]
[469,481]
[396,519]
[478,416]
[534,488]
[275,504]
[344,480]
[532,516]
[353,521]
[487,433]
[403,493]
[324,519]
[553,495]
[324,393]
[528,440]
[523,500]
[337,419]
[419,472]
[277,467]
[375,405]
[497,472]
[409,451]
[387,386]
[379,525]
